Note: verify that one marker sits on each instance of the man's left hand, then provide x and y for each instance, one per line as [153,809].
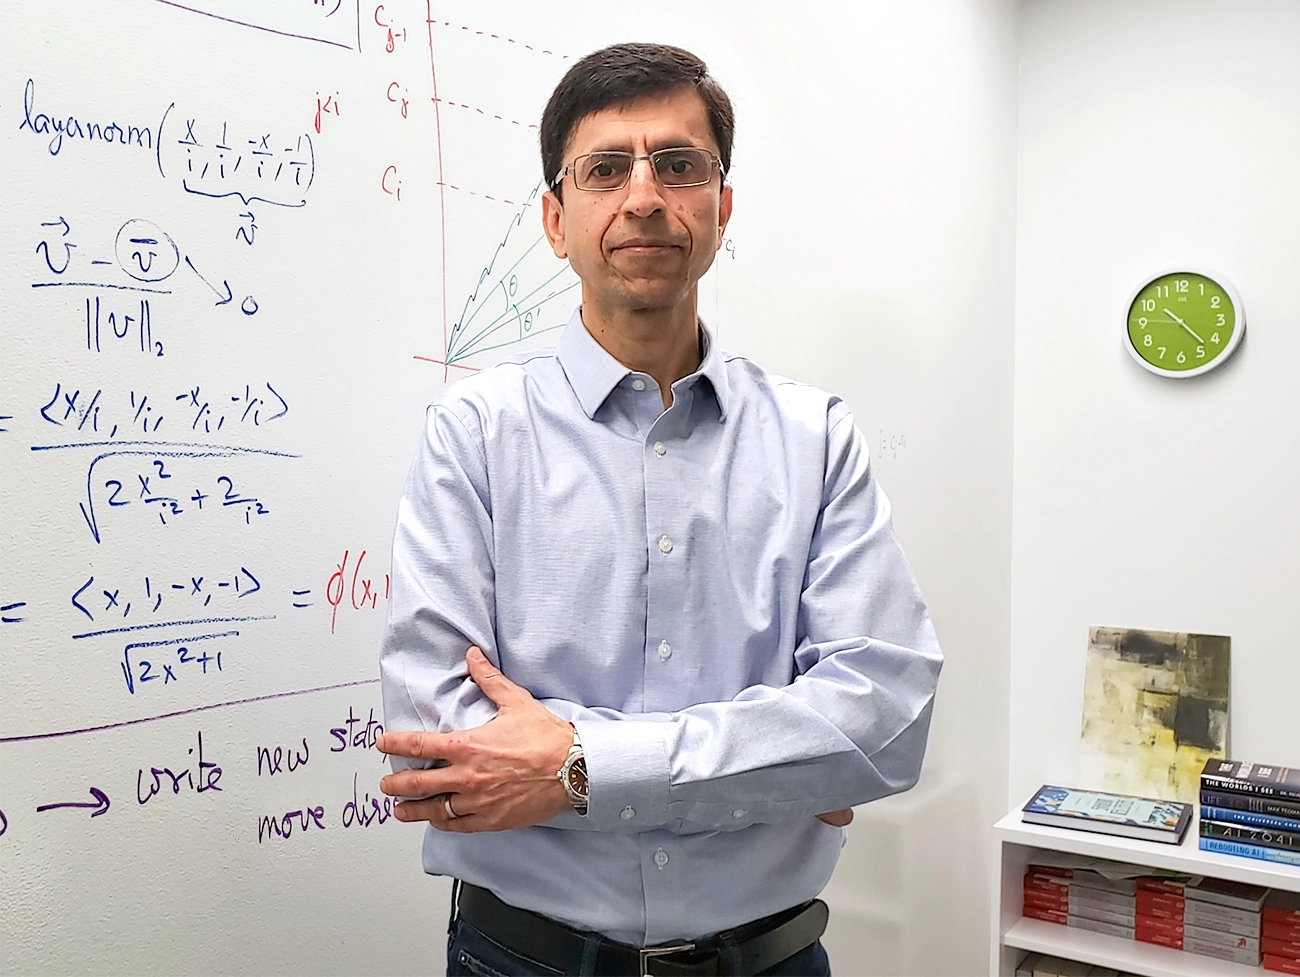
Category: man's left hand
[499,776]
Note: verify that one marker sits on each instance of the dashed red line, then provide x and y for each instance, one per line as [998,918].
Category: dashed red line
[485,196]
[489,115]
[500,37]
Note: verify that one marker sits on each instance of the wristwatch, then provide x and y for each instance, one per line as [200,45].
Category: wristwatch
[573,775]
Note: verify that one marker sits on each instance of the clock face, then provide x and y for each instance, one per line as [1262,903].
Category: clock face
[1184,323]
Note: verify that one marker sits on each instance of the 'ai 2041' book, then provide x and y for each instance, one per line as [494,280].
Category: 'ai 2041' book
[1111,814]
[1268,837]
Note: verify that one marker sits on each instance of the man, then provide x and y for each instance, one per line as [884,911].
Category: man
[694,642]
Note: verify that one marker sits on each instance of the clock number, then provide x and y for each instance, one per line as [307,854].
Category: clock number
[1200,352]
[1148,305]
[1214,338]
[1146,340]
[1201,286]
[1142,321]
[1163,350]
[1220,320]
[1182,357]
[1181,285]
[1162,292]
[1214,301]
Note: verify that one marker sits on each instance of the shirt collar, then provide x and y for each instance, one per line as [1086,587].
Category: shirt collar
[593,373]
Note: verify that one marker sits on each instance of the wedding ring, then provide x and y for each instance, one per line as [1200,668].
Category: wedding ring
[446,806]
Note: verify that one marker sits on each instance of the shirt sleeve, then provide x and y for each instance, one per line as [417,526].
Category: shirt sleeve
[851,727]
[442,598]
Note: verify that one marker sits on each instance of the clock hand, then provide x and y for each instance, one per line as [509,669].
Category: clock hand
[1184,325]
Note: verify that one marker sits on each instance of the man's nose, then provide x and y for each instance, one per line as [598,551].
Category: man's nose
[644,195]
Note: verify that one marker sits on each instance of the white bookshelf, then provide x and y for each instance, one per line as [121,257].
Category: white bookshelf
[1014,934]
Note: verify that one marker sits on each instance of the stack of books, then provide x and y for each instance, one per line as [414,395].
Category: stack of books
[1214,918]
[1281,935]
[1045,965]
[1251,810]
[1080,898]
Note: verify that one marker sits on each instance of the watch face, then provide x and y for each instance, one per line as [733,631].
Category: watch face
[1185,323]
[577,778]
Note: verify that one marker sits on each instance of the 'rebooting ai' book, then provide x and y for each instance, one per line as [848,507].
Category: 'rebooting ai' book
[1111,814]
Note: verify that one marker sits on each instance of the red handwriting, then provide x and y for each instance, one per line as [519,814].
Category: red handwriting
[364,593]
[390,183]
[329,105]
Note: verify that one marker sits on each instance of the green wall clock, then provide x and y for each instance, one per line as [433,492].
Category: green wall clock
[1184,323]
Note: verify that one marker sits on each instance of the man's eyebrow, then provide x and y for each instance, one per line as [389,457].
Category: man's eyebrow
[668,142]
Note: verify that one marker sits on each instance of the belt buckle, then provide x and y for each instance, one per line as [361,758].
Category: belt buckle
[649,953]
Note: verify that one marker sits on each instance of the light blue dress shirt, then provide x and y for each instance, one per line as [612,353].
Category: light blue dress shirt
[712,594]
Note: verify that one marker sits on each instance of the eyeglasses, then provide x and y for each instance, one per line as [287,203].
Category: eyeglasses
[680,167]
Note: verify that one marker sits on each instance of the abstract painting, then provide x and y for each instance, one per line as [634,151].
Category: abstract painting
[1155,708]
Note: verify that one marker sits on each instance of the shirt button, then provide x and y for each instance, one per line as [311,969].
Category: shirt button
[665,651]
[665,545]
[627,814]
[661,859]
[638,384]
[660,450]
[738,813]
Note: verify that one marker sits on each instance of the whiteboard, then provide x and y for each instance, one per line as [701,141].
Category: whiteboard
[243,247]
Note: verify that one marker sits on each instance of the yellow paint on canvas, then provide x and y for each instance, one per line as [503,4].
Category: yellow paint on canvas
[1129,745]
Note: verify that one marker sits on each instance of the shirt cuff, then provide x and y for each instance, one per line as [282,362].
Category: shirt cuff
[627,772]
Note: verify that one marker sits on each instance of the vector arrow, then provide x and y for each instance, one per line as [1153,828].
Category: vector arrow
[226,284]
[100,803]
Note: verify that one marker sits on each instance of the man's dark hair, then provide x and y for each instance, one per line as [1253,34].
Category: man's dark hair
[622,73]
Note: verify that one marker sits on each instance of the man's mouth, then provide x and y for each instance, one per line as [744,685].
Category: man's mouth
[645,246]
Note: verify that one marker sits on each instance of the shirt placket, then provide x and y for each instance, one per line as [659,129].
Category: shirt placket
[666,644]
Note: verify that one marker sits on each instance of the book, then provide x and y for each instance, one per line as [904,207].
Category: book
[1269,837]
[1209,813]
[1251,778]
[1282,965]
[1224,847]
[1236,895]
[1113,814]
[1252,802]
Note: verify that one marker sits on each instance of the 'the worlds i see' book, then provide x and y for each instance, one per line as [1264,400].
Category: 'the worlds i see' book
[1112,814]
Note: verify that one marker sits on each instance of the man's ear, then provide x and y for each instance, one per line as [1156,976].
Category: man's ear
[553,223]
[724,214]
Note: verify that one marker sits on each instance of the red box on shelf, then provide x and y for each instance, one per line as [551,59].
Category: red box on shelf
[1281,965]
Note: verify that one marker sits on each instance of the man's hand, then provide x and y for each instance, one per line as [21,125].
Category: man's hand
[499,776]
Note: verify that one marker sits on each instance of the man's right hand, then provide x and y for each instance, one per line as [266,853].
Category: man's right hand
[837,819]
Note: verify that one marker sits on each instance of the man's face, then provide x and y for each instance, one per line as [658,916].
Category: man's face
[644,246]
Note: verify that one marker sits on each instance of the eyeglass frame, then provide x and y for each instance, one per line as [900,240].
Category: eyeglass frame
[570,168]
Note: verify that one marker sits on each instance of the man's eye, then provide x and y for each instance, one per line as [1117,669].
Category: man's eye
[679,165]
[603,170]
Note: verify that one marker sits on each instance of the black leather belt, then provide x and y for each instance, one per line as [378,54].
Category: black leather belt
[745,950]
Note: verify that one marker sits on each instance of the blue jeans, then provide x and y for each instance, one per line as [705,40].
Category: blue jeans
[472,954]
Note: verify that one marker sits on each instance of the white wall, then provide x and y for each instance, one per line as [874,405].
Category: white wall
[890,282]
[872,253]
[1152,133]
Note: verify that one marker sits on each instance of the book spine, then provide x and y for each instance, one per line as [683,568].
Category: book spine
[1211,781]
[1209,813]
[1225,847]
[1251,802]
[1246,835]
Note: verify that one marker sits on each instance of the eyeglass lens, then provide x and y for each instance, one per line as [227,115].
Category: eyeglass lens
[672,168]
